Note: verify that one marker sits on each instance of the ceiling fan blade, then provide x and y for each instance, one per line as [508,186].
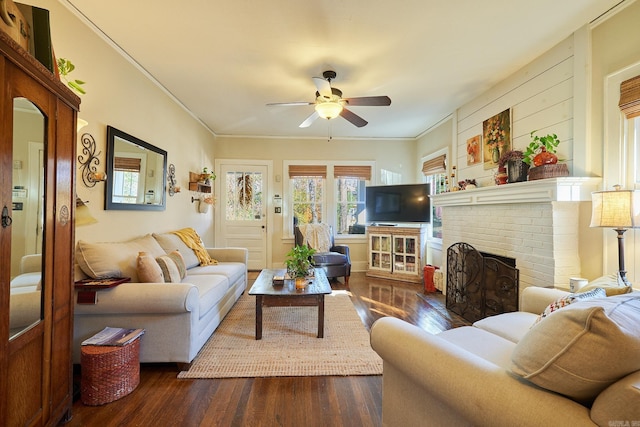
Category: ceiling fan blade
[323,86]
[353,118]
[288,104]
[307,122]
[369,100]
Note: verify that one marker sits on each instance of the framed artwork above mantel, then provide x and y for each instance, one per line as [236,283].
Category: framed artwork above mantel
[496,138]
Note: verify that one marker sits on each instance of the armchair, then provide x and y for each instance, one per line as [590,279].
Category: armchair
[336,262]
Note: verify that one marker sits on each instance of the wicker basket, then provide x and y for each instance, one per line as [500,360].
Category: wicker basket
[109,372]
[548,171]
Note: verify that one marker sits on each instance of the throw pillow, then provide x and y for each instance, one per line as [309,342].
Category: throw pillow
[582,349]
[177,257]
[611,284]
[114,259]
[148,269]
[171,242]
[569,299]
[169,269]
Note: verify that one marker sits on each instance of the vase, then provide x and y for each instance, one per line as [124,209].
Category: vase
[545,158]
[301,282]
[517,171]
[495,155]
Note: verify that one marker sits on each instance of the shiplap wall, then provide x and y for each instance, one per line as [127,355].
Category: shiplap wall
[542,237]
[540,97]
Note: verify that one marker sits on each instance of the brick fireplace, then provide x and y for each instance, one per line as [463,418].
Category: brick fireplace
[535,222]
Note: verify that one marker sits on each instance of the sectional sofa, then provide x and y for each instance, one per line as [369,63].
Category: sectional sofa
[178,317]
[578,366]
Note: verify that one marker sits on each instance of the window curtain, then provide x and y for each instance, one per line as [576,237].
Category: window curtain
[435,165]
[307,170]
[630,97]
[126,164]
[362,172]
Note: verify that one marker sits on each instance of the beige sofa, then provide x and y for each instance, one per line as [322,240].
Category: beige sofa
[506,371]
[25,295]
[178,318]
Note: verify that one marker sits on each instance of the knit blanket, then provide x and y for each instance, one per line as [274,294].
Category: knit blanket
[191,238]
[317,236]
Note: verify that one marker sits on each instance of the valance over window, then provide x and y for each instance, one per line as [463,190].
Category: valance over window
[126,164]
[307,170]
[362,172]
[435,165]
[630,97]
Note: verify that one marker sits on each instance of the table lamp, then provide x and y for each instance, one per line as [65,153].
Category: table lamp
[618,209]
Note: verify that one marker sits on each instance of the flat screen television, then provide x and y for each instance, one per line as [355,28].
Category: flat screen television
[398,203]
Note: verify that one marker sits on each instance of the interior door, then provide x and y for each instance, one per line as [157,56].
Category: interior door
[242,212]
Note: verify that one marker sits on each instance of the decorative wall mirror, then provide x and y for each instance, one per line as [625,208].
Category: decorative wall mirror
[136,173]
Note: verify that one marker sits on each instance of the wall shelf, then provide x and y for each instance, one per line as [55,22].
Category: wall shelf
[196,185]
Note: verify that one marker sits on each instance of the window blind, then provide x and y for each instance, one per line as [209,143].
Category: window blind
[435,165]
[362,172]
[307,170]
[630,97]
[126,164]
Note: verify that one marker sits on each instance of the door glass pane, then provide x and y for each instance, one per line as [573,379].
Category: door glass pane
[244,198]
[27,216]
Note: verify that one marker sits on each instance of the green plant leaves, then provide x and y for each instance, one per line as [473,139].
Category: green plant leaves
[550,143]
[64,68]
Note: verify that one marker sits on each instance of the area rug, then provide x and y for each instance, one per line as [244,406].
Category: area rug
[289,344]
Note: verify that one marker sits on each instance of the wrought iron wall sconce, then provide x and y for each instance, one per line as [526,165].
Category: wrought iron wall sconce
[89,162]
[171,178]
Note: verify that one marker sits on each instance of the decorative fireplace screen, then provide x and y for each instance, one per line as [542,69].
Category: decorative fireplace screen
[479,285]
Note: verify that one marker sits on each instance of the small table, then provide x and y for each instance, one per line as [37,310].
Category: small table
[87,288]
[286,295]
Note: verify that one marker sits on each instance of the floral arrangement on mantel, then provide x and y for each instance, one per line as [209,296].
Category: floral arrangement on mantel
[511,155]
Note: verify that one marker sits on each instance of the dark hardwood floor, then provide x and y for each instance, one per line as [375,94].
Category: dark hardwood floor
[163,400]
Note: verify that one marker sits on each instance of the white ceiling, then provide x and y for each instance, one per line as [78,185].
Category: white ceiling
[225,59]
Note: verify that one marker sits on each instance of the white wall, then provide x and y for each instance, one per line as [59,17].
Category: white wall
[120,95]
[393,155]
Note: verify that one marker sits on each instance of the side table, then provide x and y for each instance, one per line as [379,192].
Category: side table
[109,372]
[87,288]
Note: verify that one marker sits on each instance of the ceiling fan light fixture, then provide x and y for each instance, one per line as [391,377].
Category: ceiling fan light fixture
[329,110]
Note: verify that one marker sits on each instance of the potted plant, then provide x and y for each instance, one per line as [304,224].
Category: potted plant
[206,176]
[516,168]
[298,263]
[533,155]
[541,156]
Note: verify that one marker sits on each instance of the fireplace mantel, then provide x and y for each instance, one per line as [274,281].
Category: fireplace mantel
[565,189]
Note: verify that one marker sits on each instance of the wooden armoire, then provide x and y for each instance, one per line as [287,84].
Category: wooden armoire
[37,115]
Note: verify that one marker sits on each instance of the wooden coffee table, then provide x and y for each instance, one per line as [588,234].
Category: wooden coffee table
[286,295]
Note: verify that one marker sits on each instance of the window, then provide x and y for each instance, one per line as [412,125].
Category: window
[244,195]
[350,197]
[435,174]
[630,105]
[126,179]
[307,192]
[331,193]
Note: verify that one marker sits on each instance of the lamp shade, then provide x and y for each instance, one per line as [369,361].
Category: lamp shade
[329,110]
[83,215]
[615,209]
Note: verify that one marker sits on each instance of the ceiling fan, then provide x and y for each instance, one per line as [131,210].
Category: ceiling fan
[329,102]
